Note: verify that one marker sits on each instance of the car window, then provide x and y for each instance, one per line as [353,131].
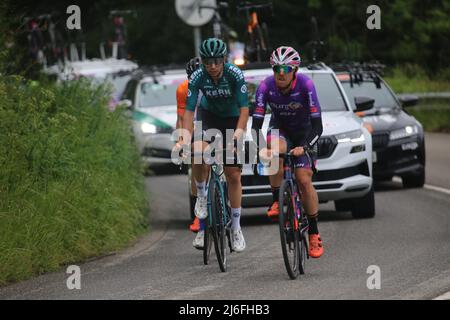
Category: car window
[130,91]
[328,93]
[157,95]
[383,97]
[119,84]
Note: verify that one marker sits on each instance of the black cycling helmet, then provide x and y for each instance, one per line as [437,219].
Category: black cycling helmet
[192,65]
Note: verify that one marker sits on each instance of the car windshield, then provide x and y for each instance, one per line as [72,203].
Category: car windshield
[383,97]
[157,95]
[118,84]
[328,94]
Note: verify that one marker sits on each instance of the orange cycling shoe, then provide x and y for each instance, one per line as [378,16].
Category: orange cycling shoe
[274,211]
[315,246]
[195,225]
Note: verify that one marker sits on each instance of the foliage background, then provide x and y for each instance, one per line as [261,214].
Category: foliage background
[413,32]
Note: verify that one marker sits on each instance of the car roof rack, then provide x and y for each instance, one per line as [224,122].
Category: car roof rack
[156,70]
[317,66]
[255,65]
[361,71]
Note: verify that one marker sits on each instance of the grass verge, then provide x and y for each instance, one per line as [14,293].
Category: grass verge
[70,179]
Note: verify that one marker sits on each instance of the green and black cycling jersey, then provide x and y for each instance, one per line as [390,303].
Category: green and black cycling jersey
[224,99]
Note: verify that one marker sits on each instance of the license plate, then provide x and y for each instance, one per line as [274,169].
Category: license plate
[410,146]
[374,157]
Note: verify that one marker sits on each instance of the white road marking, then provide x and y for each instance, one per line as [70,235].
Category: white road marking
[427,186]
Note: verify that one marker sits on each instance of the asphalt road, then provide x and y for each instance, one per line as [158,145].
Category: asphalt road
[409,240]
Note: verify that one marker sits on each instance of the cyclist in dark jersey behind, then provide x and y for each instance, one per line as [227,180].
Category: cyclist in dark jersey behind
[224,106]
[296,114]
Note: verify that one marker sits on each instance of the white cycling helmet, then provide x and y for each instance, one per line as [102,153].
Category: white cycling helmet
[286,56]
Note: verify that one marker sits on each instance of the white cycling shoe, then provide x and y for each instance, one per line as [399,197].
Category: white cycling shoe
[200,209]
[199,240]
[237,240]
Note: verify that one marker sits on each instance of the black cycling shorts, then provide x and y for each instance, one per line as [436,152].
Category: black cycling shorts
[213,121]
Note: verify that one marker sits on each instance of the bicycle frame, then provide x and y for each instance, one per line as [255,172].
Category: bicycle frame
[296,195]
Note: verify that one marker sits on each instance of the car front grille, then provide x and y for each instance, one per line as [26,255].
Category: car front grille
[326,146]
[380,140]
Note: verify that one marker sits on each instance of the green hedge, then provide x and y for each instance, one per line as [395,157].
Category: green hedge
[70,178]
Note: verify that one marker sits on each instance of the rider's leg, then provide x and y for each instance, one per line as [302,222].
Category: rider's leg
[200,173]
[311,205]
[199,169]
[233,176]
[309,194]
[278,145]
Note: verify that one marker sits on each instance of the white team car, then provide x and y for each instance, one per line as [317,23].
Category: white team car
[345,148]
[116,72]
[151,97]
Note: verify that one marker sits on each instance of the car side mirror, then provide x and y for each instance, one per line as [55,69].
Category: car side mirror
[408,100]
[364,103]
[127,103]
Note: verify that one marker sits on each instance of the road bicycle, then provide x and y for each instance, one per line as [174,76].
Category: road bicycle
[292,220]
[220,29]
[119,38]
[218,223]
[257,46]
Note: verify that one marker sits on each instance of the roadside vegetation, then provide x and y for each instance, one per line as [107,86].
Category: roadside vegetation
[434,114]
[413,79]
[71,185]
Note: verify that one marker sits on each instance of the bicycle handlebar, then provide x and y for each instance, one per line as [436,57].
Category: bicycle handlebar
[113,13]
[307,153]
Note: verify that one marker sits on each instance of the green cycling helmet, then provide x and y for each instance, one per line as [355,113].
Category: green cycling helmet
[213,48]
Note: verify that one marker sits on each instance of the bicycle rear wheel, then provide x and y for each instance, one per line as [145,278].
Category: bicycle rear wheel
[303,249]
[218,222]
[289,234]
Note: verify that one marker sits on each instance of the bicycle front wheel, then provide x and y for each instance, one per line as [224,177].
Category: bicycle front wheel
[218,222]
[207,245]
[289,230]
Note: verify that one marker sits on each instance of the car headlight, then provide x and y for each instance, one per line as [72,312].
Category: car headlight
[351,136]
[405,132]
[148,128]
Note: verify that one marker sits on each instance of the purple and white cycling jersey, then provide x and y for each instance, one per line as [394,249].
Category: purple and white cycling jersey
[293,112]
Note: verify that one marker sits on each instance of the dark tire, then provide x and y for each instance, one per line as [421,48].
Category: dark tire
[288,236]
[265,33]
[218,215]
[343,205]
[259,44]
[207,242]
[364,207]
[414,180]
[303,249]
[250,47]
[192,200]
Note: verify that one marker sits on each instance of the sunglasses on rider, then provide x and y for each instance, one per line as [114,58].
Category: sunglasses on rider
[286,69]
[211,61]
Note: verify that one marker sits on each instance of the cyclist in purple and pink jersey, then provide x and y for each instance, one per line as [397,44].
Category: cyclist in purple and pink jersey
[296,114]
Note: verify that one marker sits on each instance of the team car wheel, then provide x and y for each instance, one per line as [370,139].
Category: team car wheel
[414,180]
[364,207]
